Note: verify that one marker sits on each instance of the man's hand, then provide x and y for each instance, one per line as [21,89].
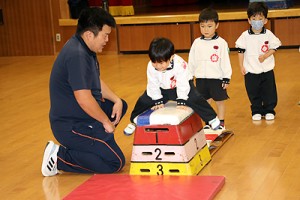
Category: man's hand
[88,103]
[109,127]
[117,111]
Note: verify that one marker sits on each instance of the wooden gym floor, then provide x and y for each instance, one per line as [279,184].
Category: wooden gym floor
[261,161]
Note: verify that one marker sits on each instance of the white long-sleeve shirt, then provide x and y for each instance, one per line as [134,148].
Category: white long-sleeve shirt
[209,58]
[176,76]
[256,45]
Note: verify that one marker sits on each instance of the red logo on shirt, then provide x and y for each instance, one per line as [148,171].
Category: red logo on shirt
[265,47]
[214,58]
[173,82]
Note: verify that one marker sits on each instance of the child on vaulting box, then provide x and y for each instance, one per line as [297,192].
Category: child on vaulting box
[169,79]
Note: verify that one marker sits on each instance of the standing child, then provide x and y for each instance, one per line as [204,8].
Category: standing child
[168,79]
[256,47]
[209,63]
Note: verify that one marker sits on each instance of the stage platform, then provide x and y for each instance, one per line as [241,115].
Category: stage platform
[133,34]
[188,16]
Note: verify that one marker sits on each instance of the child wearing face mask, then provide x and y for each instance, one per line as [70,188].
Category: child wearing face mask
[256,47]
[168,79]
[209,63]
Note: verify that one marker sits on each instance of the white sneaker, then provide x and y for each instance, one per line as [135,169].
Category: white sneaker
[207,127]
[214,123]
[222,128]
[256,117]
[130,128]
[49,165]
[270,116]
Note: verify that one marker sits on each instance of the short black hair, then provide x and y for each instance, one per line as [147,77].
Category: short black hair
[161,50]
[93,19]
[208,14]
[255,8]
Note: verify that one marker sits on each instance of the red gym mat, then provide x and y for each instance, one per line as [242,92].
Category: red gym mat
[134,187]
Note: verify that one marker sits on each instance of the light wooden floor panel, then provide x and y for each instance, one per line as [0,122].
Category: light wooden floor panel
[261,161]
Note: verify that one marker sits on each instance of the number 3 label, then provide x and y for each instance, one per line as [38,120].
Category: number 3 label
[160,170]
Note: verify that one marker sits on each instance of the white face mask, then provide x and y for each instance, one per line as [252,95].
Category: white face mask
[257,24]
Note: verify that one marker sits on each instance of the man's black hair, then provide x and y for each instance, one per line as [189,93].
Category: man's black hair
[93,19]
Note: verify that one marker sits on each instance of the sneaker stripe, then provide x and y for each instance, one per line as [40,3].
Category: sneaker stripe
[49,163]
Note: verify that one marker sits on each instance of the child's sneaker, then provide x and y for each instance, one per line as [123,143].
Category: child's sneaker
[130,128]
[270,116]
[214,123]
[206,127]
[256,117]
[49,165]
[221,128]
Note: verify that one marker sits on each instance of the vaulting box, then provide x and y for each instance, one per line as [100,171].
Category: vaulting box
[167,125]
[169,141]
